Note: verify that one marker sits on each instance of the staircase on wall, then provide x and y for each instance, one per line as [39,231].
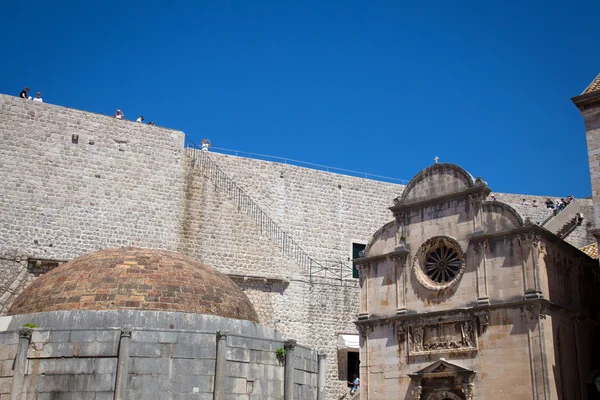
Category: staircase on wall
[268,227]
[565,221]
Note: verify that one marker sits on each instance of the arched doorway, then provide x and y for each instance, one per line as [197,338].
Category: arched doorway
[443,395]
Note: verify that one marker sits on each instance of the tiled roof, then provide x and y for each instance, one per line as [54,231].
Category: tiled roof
[138,279]
[593,87]
[591,250]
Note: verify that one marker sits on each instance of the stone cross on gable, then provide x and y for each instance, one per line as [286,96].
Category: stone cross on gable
[436,158]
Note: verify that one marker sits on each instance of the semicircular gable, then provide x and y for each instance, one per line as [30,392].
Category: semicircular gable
[435,181]
[499,216]
[379,242]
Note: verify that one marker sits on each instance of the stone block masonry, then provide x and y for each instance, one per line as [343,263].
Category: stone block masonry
[72,363]
[73,182]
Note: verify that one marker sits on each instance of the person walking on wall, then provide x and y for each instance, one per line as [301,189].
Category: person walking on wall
[205,144]
[119,114]
[140,119]
[23,94]
[38,98]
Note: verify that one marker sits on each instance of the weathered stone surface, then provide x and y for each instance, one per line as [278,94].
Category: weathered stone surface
[460,295]
[183,368]
[134,186]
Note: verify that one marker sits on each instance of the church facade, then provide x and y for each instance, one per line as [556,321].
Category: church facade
[463,299]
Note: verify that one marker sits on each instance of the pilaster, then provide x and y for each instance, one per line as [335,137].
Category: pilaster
[529,243]
[20,364]
[220,366]
[482,278]
[322,379]
[288,392]
[123,364]
[400,259]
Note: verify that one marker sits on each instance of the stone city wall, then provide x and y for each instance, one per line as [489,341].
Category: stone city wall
[122,183]
[119,183]
[82,364]
[156,355]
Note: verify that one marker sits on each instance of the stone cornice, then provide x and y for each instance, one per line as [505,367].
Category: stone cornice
[457,311]
[481,190]
[534,229]
[585,100]
[264,279]
[388,256]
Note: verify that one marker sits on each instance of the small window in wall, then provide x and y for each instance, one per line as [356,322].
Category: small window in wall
[356,249]
[37,267]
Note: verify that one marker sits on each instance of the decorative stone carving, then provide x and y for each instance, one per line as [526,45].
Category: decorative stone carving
[289,344]
[480,247]
[126,331]
[401,331]
[363,330]
[25,333]
[484,322]
[534,312]
[416,392]
[443,395]
[439,263]
[443,380]
[528,237]
[467,390]
[429,337]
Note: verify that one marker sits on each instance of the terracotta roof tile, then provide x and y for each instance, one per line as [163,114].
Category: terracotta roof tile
[593,87]
[140,279]
[591,250]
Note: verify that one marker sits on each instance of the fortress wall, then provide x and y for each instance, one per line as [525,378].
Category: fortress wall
[134,186]
[215,232]
[120,184]
[325,219]
[579,237]
[323,211]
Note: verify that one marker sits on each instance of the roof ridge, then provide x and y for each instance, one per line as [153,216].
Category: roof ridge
[594,86]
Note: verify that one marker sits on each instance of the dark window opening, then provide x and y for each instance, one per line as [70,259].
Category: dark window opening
[37,267]
[356,249]
[353,365]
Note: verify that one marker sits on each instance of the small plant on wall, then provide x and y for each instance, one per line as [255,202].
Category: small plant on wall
[30,326]
[281,352]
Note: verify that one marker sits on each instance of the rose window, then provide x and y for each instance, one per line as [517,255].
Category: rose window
[439,263]
[442,264]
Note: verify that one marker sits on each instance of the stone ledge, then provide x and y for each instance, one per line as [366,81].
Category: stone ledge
[265,279]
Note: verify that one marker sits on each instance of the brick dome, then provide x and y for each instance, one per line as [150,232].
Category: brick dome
[140,279]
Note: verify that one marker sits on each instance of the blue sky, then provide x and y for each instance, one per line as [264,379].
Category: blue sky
[380,86]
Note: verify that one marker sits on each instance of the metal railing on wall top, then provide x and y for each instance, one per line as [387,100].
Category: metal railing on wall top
[268,227]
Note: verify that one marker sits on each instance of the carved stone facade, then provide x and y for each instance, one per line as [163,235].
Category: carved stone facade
[441,335]
[462,299]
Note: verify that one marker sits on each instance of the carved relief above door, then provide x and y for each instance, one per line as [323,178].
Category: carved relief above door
[442,336]
[443,380]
